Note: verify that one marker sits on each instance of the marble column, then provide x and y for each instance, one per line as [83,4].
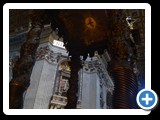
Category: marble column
[90,90]
[23,67]
[90,85]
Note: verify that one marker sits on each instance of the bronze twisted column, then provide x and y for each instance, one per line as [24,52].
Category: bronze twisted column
[23,67]
[125,91]
[75,65]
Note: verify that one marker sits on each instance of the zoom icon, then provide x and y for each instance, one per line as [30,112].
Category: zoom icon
[147,99]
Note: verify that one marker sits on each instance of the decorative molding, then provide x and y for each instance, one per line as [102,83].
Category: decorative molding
[96,66]
[89,67]
[48,54]
[59,102]
[104,77]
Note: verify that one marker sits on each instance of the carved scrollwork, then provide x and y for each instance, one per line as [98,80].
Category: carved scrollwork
[89,66]
[41,52]
[101,73]
[104,77]
[48,54]
[96,66]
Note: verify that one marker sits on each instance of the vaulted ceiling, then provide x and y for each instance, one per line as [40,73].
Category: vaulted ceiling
[84,29]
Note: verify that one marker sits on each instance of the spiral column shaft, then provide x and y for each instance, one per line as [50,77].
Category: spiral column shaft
[124,95]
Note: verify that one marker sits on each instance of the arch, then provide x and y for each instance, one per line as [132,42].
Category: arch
[61,86]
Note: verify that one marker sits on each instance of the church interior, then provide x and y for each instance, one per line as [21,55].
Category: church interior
[76,58]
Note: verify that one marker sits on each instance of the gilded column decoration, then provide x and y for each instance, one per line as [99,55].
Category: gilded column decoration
[59,98]
[124,94]
[72,98]
[23,67]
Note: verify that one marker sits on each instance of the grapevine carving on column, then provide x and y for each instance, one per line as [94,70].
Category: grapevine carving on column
[124,94]
[23,67]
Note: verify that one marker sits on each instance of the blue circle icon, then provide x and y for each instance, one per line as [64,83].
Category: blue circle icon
[147,99]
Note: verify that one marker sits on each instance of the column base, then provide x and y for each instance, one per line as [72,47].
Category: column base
[16,97]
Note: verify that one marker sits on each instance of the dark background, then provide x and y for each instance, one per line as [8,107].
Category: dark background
[155,62]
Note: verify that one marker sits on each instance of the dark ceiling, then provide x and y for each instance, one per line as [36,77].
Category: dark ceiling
[84,30]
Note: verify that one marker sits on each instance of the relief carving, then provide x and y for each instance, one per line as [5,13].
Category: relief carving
[104,77]
[48,54]
[89,66]
[96,66]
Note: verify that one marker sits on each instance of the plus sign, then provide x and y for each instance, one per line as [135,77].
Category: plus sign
[147,99]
